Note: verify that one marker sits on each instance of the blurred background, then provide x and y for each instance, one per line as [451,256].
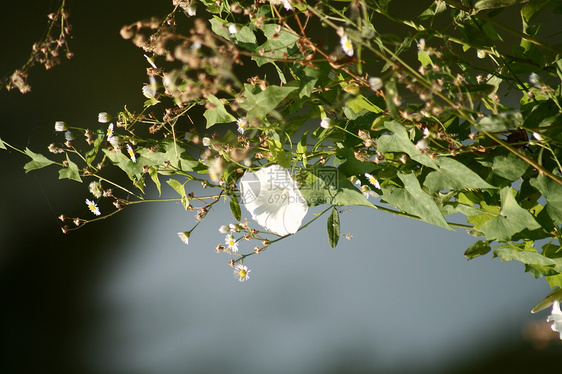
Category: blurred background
[125,295]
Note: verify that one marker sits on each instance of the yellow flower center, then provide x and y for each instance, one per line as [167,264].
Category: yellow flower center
[243,273]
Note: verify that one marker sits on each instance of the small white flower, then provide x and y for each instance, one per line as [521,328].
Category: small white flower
[426,133]
[151,61]
[273,199]
[480,53]
[422,144]
[216,168]
[373,180]
[327,123]
[109,131]
[375,83]
[556,318]
[96,189]
[287,5]
[538,136]
[224,229]
[242,125]
[69,135]
[232,28]
[535,80]
[346,45]
[206,141]
[93,207]
[367,192]
[60,126]
[231,243]
[421,44]
[104,117]
[191,10]
[131,153]
[113,140]
[241,272]
[184,236]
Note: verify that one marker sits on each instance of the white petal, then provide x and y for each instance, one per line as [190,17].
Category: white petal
[273,199]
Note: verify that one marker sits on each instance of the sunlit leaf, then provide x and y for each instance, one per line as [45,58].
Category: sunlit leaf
[235,208]
[453,175]
[552,191]
[218,114]
[38,161]
[493,4]
[547,302]
[413,200]
[333,226]
[70,172]
[510,220]
[400,142]
[479,248]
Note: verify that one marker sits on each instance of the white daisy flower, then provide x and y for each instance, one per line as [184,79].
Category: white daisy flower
[184,236]
[556,318]
[373,180]
[242,124]
[104,117]
[346,45]
[232,28]
[131,153]
[241,272]
[109,131]
[273,199]
[60,126]
[231,243]
[93,207]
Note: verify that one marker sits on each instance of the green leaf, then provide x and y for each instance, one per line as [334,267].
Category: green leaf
[246,35]
[333,226]
[412,200]
[493,4]
[552,192]
[218,114]
[153,172]
[508,166]
[479,248]
[527,257]
[70,172]
[38,161]
[400,142]
[180,189]
[547,302]
[278,40]
[453,175]
[235,208]
[500,122]
[360,103]
[328,185]
[2,146]
[511,219]
[263,103]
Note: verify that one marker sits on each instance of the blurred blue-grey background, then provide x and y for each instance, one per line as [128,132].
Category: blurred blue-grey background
[124,295]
